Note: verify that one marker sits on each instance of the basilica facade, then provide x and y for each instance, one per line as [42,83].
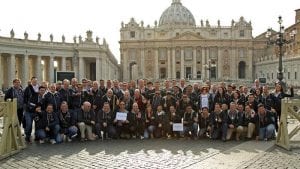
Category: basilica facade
[176,47]
[25,58]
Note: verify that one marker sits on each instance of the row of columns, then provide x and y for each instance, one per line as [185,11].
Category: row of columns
[24,68]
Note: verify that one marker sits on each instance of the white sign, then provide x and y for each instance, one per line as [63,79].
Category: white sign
[121,116]
[177,127]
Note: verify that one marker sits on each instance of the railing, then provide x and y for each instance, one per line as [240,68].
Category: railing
[11,140]
[290,115]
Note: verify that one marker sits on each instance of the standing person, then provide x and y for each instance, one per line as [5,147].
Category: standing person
[95,96]
[205,99]
[30,101]
[65,91]
[52,97]
[122,126]
[86,121]
[111,99]
[279,95]
[16,92]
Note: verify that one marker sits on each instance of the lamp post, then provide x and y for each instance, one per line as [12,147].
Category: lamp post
[211,64]
[130,69]
[280,41]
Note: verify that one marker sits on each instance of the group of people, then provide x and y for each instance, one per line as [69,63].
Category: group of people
[144,109]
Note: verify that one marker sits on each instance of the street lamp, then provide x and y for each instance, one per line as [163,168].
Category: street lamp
[280,41]
[130,68]
[211,64]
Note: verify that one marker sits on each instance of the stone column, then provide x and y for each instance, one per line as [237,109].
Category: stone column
[173,63]
[142,65]
[249,75]
[25,67]
[108,76]
[81,69]
[203,71]
[156,71]
[182,64]
[194,63]
[51,69]
[219,64]
[63,63]
[233,69]
[98,68]
[1,72]
[38,70]
[11,72]
[169,63]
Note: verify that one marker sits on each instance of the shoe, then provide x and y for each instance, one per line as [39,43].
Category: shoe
[142,138]
[265,139]
[42,141]
[73,136]
[82,139]
[28,140]
[52,141]
[69,139]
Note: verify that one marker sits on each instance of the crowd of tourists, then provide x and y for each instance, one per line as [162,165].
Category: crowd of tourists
[142,109]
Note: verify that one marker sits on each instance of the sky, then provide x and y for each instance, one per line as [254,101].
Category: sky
[74,17]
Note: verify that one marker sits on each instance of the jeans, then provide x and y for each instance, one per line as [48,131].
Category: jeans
[28,127]
[191,128]
[149,130]
[71,131]
[224,131]
[54,133]
[266,132]
[40,134]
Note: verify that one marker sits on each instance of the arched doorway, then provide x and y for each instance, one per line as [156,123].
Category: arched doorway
[242,70]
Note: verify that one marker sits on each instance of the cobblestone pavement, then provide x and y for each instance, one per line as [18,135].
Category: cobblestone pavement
[276,159]
[156,153]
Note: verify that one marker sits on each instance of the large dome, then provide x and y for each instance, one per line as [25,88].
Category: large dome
[177,15]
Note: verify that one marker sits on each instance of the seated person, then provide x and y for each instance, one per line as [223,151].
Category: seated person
[67,122]
[232,120]
[249,121]
[122,127]
[137,121]
[174,117]
[150,123]
[203,120]
[190,122]
[86,121]
[49,125]
[215,122]
[162,124]
[265,124]
[104,127]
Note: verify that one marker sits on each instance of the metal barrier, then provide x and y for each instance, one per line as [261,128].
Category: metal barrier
[290,109]
[11,140]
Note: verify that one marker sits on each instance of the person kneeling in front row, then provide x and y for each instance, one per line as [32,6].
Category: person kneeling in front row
[86,121]
[67,122]
[265,124]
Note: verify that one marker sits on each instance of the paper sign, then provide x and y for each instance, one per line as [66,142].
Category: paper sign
[177,127]
[121,116]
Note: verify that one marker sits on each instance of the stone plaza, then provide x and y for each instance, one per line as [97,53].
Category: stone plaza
[158,153]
